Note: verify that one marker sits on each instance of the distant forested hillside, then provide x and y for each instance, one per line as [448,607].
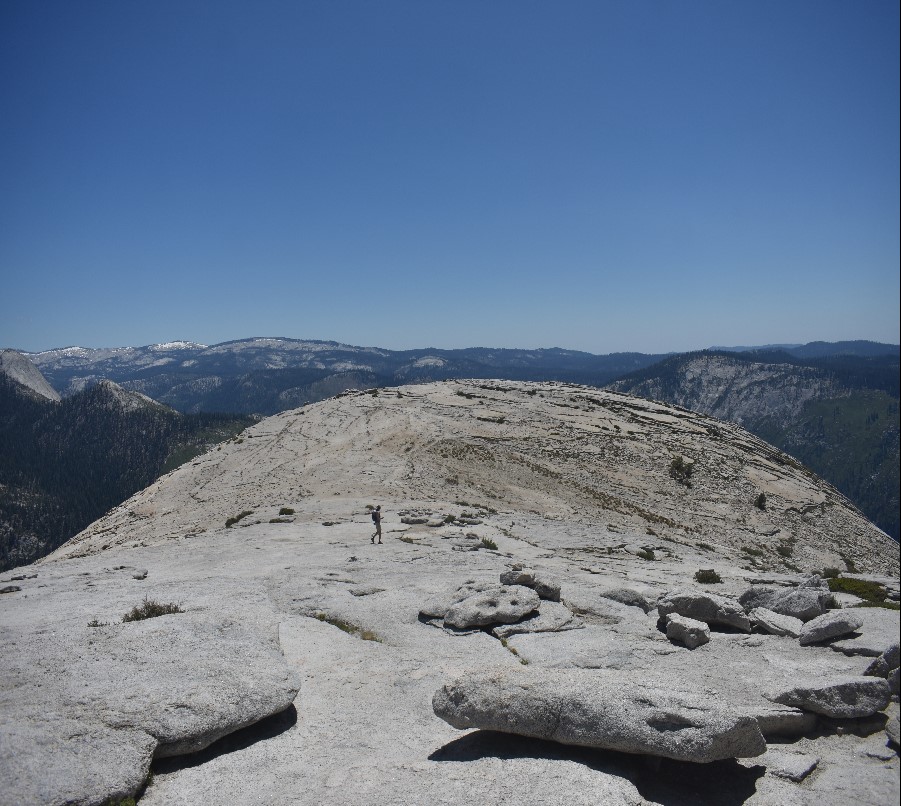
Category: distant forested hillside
[63,465]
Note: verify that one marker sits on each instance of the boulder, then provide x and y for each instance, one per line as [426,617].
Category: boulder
[544,587]
[551,617]
[879,632]
[600,710]
[502,604]
[775,623]
[839,698]
[786,764]
[686,631]
[814,581]
[153,688]
[833,624]
[886,663]
[892,730]
[629,597]
[894,681]
[801,603]
[440,604]
[702,606]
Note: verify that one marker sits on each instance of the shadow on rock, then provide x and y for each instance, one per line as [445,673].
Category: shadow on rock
[668,782]
[265,729]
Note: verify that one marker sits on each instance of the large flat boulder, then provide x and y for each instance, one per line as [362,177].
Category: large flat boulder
[802,603]
[879,631]
[703,606]
[839,698]
[833,624]
[87,704]
[775,623]
[592,709]
[438,605]
[502,604]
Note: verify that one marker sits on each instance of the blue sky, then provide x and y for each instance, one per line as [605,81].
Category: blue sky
[597,175]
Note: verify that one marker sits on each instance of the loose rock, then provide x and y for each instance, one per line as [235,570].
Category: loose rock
[893,731]
[686,631]
[839,698]
[829,625]
[801,603]
[545,588]
[592,709]
[775,623]
[793,766]
[887,662]
[703,606]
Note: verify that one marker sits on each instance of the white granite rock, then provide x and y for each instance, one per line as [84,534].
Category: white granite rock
[546,588]
[833,624]
[591,709]
[629,597]
[551,617]
[775,623]
[790,765]
[886,663]
[438,605]
[839,698]
[686,631]
[702,606]
[503,604]
[800,603]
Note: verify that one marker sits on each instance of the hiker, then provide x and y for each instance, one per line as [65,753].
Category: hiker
[377,520]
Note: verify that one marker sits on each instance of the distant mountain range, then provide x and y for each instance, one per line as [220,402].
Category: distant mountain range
[65,461]
[268,375]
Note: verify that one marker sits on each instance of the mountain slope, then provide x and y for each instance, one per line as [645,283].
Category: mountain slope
[19,369]
[577,453]
[837,415]
[317,656]
[64,464]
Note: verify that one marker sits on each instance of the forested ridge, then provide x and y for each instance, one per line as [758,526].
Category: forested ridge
[63,465]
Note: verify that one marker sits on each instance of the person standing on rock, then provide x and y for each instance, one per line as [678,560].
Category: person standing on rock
[377,520]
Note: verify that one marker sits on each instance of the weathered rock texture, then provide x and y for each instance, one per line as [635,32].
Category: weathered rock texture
[830,625]
[842,698]
[567,481]
[775,623]
[503,604]
[593,710]
[801,603]
[686,631]
[706,607]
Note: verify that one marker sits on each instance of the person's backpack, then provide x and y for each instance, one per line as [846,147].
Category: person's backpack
[375,516]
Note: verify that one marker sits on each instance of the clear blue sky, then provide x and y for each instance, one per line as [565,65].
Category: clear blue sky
[606,176]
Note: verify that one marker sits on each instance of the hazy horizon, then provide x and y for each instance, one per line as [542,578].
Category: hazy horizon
[712,346]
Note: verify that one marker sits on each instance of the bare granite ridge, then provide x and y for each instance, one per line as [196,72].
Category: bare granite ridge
[300,660]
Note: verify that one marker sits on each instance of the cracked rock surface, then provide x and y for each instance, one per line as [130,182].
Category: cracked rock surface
[311,623]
